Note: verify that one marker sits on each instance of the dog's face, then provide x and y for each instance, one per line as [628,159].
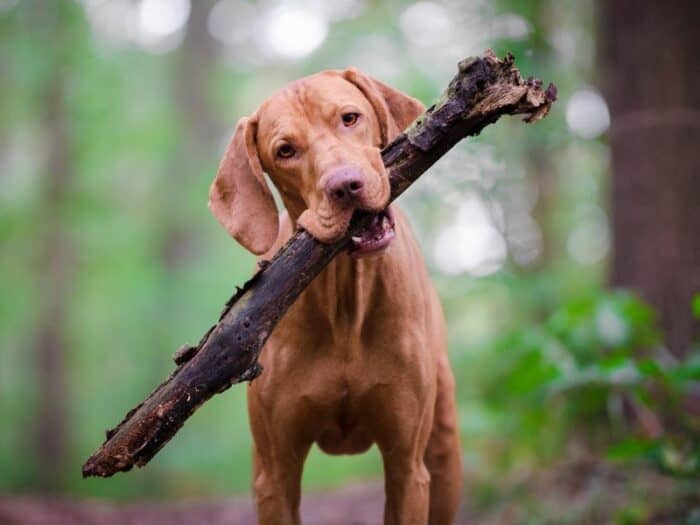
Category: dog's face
[319,140]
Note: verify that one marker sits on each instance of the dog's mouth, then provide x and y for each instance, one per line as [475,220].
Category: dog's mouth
[374,237]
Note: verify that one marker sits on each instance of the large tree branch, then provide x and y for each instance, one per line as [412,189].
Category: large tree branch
[484,89]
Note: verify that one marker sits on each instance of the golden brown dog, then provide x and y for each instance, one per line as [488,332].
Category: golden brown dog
[360,358]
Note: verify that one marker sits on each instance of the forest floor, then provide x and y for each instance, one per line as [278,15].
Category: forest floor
[580,492]
[359,505]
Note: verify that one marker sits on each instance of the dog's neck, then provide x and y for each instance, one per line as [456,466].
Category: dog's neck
[346,290]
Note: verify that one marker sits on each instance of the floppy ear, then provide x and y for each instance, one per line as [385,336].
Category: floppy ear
[394,109]
[239,197]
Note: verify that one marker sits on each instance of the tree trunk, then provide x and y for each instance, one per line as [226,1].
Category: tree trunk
[484,90]
[652,79]
[49,344]
[192,70]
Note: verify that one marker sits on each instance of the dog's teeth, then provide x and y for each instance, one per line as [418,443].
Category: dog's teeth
[357,239]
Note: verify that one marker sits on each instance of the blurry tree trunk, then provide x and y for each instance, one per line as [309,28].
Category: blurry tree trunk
[192,73]
[539,164]
[539,160]
[189,72]
[49,345]
[649,55]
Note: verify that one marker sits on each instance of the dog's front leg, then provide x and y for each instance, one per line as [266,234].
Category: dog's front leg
[407,487]
[277,491]
[403,431]
[278,461]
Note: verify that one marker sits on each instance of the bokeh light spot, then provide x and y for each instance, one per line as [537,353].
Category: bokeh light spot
[161,18]
[293,32]
[232,22]
[511,26]
[589,242]
[587,113]
[6,5]
[472,244]
[426,24]
[611,326]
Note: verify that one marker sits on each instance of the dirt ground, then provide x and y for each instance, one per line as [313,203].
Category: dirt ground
[360,505]
[582,492]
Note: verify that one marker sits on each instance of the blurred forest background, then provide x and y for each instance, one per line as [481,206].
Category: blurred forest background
[567,254]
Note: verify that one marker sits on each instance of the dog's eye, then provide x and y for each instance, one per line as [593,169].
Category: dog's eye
[350,119]
[286,151]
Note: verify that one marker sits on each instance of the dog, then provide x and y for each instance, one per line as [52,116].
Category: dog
[361,357]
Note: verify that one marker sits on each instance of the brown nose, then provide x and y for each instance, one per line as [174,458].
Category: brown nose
[344,185]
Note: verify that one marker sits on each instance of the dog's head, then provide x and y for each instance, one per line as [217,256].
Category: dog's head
[319,140]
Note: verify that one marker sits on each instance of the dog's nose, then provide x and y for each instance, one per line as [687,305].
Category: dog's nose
[344,185]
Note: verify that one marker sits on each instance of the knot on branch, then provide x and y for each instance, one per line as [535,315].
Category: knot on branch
[251,373]
[184,354]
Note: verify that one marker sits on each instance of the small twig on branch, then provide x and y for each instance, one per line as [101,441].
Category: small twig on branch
[483,90]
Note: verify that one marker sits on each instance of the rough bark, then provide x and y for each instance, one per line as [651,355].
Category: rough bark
[653,88]
[484,89]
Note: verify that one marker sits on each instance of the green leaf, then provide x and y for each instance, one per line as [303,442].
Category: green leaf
[632,448]
[696,306]
[650,368]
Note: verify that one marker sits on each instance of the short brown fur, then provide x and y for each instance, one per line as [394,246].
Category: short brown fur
[360,358]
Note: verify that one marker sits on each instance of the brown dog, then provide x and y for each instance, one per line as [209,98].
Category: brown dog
[360,358]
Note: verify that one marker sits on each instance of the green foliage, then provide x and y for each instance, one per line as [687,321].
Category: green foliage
[596,363]
[587,393]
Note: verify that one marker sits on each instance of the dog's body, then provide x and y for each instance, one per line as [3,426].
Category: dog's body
[360,358]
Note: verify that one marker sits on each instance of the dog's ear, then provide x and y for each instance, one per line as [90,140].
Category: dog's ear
[395,110]
[239,197]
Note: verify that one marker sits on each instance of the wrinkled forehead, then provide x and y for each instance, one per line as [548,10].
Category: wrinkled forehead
[310,100]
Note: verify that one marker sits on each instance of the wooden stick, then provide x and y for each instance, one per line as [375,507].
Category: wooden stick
[483,89]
